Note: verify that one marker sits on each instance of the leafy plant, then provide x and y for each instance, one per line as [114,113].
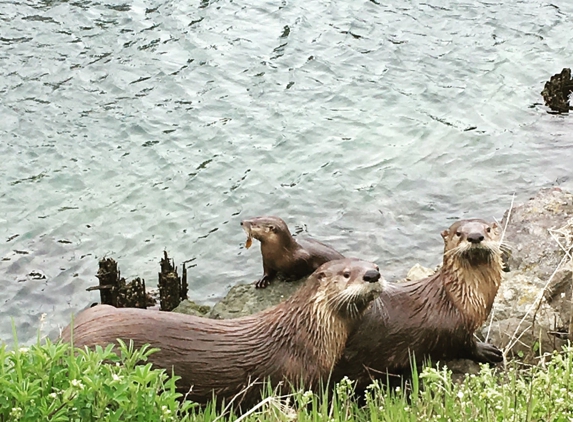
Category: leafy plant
[54,382]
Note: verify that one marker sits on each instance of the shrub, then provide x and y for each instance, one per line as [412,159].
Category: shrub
[54,382]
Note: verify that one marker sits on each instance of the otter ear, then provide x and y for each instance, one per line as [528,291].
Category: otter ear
[320,276]
[272,228]
[445,234]
[494,225]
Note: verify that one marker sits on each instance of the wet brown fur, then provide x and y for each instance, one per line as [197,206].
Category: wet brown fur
[282,253]
[297,341]
[431,318]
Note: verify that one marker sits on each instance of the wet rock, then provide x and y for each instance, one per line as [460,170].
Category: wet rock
[245,299]
[191,308]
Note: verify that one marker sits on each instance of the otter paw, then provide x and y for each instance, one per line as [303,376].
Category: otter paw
[262,283]
[488,353]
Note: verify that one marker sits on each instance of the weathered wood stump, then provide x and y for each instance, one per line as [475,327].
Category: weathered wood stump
[116,292]
[171,288]
[557,91]
[133,294]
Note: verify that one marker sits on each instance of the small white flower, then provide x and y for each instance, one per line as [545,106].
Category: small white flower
[77,383]
[16,412]
[460,394]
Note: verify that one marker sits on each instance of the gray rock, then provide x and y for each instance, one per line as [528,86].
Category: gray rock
[417,272]
[534,300]
[535,251]
[191,308]
[528,340]
[245,299]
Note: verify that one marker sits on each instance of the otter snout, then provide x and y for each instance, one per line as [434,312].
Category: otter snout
[475,237]
[246,225]
[371,276]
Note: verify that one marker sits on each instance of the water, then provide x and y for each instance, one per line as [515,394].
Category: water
[130,128]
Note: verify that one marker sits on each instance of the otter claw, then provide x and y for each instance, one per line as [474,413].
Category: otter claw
[488,353]
[262,283]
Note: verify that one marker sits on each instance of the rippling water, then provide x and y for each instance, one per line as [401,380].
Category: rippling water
[130,128]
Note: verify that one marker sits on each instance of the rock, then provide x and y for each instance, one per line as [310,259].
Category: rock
[191,308]
[537,290]
[417,272]
[535,251]
[462,367]
[526,340]
[245,299]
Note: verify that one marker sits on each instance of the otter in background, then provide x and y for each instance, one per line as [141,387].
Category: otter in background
[282,253]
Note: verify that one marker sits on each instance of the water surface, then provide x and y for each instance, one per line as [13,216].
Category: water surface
[130,128]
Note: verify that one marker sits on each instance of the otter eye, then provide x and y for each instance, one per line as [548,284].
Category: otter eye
[488,229]
[458,234]
[346,274]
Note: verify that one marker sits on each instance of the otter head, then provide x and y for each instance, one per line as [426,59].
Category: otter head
[348,286]
[269,230]
[472,267]
[471,242]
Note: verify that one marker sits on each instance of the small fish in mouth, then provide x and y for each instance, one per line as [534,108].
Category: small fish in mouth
[249,242]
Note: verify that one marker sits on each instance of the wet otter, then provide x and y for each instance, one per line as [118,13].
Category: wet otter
[282,253]
[431,318]
[297,341]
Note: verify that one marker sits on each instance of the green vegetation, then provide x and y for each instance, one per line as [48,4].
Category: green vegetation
[53,382]
[50,383]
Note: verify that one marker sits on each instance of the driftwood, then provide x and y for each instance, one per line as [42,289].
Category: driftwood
[116,292]
[557,91]
[172,289]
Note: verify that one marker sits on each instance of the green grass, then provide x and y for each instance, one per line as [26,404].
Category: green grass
[53,382]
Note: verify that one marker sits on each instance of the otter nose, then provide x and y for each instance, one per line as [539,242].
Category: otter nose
[241,223]
[475,237]
[371,276]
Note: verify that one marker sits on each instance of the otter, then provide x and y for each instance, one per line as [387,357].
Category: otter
[297,341]
[293,259]
[434,318]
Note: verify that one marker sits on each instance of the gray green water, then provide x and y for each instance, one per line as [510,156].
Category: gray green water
[130,128]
